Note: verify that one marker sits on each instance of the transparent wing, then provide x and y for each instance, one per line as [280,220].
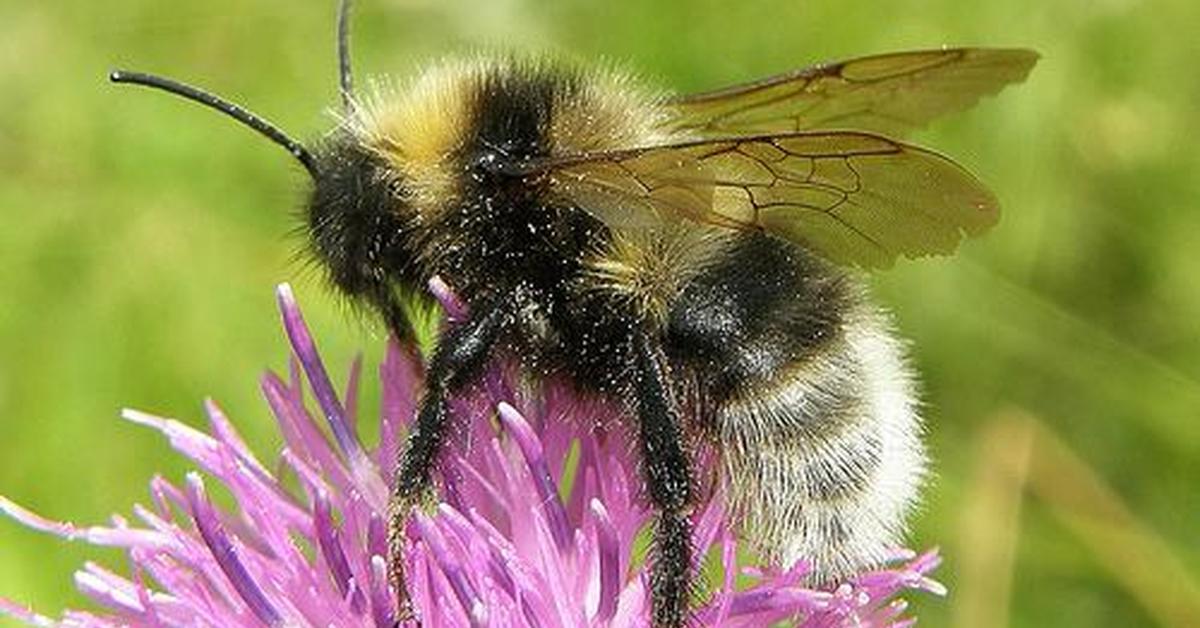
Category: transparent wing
[891,94]
[855,198]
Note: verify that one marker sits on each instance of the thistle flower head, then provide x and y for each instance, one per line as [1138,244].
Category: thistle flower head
[538,523]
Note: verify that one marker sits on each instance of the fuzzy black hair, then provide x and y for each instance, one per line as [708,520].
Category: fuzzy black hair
[357,229]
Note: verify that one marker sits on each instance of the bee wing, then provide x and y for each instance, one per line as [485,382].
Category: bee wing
[890,93]
[856,198]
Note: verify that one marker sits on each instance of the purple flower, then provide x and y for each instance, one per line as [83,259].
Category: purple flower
[538,524]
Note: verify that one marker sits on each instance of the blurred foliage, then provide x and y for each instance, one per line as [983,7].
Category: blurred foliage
[142,238]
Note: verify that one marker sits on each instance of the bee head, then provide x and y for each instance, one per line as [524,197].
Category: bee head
[352,218]
[354,215]
[355,222]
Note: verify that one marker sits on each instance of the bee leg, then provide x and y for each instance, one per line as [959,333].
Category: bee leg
[461,354]
[384,300]
[669,483]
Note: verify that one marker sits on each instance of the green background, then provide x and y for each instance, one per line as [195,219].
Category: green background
[141,240]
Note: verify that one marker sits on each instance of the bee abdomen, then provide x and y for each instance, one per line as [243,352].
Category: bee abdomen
[824,460]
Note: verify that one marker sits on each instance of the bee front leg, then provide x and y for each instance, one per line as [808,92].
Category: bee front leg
[461,355]
[669,483]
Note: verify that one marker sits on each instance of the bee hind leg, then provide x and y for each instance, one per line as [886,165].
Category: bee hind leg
[669,485]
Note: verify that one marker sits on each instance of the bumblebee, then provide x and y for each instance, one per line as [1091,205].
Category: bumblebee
[693,258]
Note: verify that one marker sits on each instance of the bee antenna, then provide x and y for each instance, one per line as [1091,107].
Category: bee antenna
[346,81]
[213,101]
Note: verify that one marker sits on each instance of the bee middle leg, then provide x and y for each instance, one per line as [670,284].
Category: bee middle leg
[461,355]
[669,483]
